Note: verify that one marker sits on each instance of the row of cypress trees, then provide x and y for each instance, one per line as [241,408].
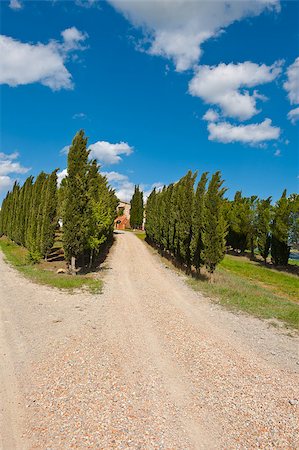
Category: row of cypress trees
[28,214]
[84,202]
[189,224]
[256,223]
[137,209]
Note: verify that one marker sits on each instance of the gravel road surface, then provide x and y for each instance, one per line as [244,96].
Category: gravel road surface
[148,364]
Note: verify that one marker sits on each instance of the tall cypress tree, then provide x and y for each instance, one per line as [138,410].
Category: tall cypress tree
[49,215]
[32,238]
[184,226]
[215,226]
[280,249]
[263,227]
[75,220]
[101,211]
[196,246]
[136,211]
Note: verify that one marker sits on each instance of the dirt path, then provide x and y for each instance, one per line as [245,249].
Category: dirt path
[149,364]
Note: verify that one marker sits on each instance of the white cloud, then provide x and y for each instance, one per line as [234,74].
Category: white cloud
[60,176]
[223,85]
[73,39]
[24,63]
[65,150]
[15,4]
[124,188]
[177,29]
[5,183]
[211,115]
[292,83]
[148,189]
[247,134]
[80,115]
[293,115]
[277,152]
[108,153]
[87,3]
[8,167]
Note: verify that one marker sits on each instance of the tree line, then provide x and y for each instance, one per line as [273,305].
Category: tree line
[28,214]
[197,226]
[256,223]
[84,202]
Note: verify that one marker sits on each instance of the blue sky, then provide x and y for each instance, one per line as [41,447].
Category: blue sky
[159,87]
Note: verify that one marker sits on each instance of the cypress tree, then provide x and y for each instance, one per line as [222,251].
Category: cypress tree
[136,211]
[184,210]
[196,246]
[215,226]
[49,215]
[294,219]
[151,216]
[76,221]
[280,249]
[32,238]
[102,210]
[263,227]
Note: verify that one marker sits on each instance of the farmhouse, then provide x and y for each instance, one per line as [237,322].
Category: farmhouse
[122,220]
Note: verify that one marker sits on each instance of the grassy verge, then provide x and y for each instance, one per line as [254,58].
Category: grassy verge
[140,234]
[281,283]
[243,285]
[17,257]
[240,293]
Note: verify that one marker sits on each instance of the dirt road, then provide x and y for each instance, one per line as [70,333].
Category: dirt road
[148,364]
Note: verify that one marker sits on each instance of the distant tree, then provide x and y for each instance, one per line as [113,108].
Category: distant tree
[214,224]
[196,245]
[263,227]
[281,225]
[136,211]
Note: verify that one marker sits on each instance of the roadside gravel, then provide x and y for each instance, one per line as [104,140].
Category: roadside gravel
[149,364]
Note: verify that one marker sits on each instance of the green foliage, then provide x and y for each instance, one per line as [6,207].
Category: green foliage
[280,249]
[89,204]
[214,224]
[196,245]
[136,211]
[28,212]
[101,210]
[263,227]
[85,203]
[189,226]
[75,220]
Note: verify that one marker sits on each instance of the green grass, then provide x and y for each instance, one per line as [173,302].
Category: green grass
[238,292]
[280,283]
[17,257]
[140,234]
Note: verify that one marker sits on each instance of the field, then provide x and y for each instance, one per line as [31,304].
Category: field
[45,273]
